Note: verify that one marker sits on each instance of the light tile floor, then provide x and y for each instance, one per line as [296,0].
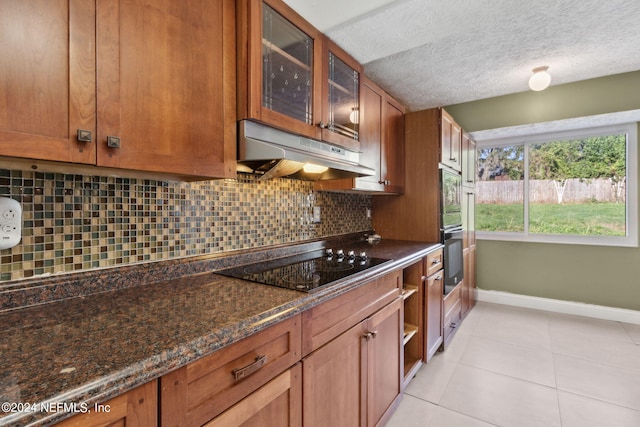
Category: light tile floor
[515,367]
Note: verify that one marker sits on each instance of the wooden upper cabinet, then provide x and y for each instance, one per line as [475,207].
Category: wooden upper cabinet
[468,160]
[292,77]
[280,59]
[371,132]
[341,76]
[149,85]
[451,142]
[381,124]
[392,149]
[166,75]
[48,71]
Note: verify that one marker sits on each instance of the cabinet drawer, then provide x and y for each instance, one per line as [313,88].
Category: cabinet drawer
[135,407]
[328,320]
[434,262]
[452,321]
[451,299]
[276,403]
[200,391]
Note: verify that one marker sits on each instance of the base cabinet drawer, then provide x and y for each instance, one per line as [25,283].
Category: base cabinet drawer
[452,312]
[326,321]
[276,403]
[197,393]
[434,262]
[451,299]
[135,408]
[452,322]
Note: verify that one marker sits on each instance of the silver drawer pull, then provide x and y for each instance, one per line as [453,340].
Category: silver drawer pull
[84,135]
[240,373]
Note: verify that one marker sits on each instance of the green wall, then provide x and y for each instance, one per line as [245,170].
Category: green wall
[608,276]
[620,92]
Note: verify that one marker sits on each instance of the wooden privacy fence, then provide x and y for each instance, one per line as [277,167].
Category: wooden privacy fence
[544,191]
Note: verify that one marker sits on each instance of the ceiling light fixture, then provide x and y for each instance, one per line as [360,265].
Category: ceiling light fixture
[540,79]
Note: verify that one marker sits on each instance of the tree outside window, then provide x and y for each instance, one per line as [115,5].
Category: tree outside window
[562,186]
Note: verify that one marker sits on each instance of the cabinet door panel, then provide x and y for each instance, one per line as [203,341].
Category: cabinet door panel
[334,388]
[451,142]
[287,67]
[468,160]
[341,78]
[384,367]
[165,86]
[281,82]
[434,313]
[392,161]
[370,133]
[275,404]
[48,75]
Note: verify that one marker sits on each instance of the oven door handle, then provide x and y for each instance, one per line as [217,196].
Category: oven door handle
[450,232]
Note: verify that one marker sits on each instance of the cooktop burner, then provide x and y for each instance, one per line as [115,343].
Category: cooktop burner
[305,272]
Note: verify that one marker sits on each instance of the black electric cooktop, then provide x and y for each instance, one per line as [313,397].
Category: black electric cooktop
[305,272]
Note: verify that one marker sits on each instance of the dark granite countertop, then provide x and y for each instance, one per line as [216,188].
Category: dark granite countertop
[91,348]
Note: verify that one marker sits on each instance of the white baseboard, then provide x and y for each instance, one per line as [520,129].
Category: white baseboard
[559,306]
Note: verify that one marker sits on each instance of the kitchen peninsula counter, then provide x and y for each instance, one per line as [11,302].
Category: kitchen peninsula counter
[89,348]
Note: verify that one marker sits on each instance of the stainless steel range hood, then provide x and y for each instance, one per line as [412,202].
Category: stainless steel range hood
[273,153]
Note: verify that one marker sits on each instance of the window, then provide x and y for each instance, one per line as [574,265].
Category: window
[575,187]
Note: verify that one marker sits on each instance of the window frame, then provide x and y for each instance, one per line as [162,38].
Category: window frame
[631,208]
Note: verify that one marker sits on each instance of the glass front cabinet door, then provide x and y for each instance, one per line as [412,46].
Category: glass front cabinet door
[278,83]
[295,78]
[342,94]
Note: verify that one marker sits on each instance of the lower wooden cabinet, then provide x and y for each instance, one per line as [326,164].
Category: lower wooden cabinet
[276,403]
[354,380]
[433,317]
[414,311]
[203,390]
[339,363]
[135,408]
[452,311]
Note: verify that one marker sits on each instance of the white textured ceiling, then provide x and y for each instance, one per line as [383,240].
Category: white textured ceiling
[440,52]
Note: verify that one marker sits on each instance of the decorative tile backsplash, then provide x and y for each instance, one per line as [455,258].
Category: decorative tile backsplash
[80,222]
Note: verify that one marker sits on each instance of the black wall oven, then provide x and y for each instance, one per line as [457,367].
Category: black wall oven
[451,227]
[453,264]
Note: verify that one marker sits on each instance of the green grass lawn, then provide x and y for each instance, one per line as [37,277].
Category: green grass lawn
[599,219]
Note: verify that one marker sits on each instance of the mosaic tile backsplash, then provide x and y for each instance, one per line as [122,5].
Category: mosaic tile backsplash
[79,222]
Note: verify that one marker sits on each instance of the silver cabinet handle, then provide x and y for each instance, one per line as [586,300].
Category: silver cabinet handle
[240,373]
[84,135]
[113,141]
[370,335]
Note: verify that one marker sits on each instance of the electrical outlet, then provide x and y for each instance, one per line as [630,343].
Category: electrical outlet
[10,223]
[316,214]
